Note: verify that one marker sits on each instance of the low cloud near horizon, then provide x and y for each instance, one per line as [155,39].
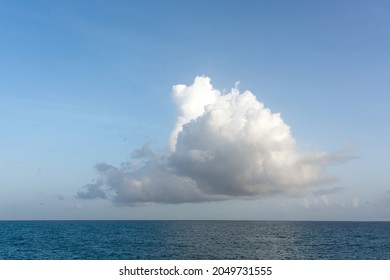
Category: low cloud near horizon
[223,146]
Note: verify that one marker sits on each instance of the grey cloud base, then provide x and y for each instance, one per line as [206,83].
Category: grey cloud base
[223,146]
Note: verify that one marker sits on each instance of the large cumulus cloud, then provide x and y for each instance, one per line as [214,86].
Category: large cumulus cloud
[223,146]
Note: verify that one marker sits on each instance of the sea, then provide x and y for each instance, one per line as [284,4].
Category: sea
[194,240]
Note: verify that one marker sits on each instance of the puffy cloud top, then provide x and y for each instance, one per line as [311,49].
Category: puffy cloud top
[223,146]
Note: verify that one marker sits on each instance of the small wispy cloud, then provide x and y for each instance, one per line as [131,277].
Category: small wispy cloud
[223,146]
[328,191]
[325,201]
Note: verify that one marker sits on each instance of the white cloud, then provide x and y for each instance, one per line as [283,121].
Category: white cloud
[223,146]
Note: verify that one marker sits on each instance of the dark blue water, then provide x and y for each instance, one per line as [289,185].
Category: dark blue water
[193,240]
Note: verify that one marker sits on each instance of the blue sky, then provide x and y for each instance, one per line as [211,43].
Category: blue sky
[88,82]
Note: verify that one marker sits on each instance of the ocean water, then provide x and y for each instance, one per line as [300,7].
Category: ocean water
[192,240]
